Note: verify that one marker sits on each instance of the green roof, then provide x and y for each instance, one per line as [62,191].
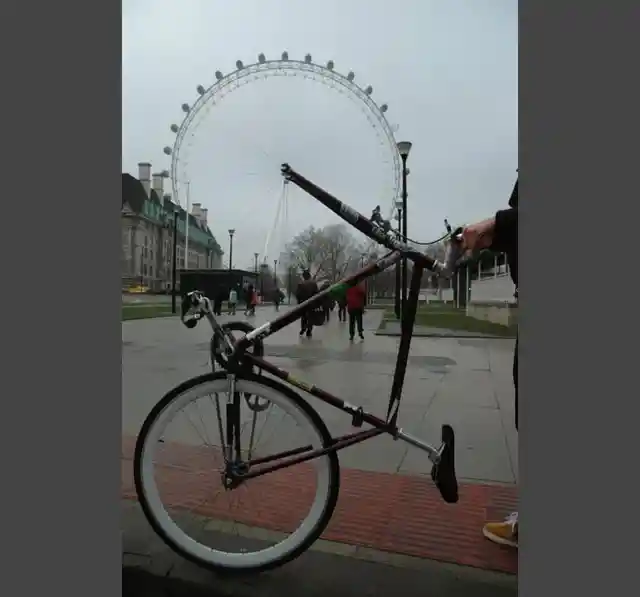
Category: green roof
[159,210]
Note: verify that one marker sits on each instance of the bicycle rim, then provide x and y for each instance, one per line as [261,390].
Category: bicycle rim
[161,517]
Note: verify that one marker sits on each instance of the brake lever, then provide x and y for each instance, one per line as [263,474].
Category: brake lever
[190,300]
[454,256]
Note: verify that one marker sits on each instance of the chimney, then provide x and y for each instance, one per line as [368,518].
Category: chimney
[158,184]
[205,211]
[198,212]
[144,176]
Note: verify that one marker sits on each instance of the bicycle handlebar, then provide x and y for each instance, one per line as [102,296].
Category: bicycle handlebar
[378,230]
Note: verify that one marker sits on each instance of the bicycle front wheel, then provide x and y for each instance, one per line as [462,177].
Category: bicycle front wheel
[179,467]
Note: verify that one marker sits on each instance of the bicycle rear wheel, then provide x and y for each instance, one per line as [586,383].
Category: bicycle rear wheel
[269,533]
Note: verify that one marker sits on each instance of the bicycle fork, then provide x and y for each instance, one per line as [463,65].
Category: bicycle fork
[232,443]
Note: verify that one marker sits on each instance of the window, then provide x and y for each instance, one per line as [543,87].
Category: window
[146,240]
[144,269]
[151,270]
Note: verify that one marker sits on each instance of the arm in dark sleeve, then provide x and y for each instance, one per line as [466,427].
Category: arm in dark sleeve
[505,233]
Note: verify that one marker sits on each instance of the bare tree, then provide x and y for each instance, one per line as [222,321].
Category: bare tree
[306,250]
[339,250]
[325,252]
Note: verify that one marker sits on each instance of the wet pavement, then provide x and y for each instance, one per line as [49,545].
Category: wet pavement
[465,382]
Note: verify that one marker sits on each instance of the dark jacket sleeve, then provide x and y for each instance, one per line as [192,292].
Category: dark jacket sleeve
[505,234]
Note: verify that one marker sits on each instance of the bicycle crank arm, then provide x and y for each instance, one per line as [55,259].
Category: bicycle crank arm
[443,472]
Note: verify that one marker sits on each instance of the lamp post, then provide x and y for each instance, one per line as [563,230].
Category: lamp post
[255,262]
[275,275]
[231,233]
[404,147]
[396,294]
[174,258]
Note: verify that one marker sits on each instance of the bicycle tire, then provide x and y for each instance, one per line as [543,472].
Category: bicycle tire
[315,421]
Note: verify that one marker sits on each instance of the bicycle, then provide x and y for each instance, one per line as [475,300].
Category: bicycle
[243,378]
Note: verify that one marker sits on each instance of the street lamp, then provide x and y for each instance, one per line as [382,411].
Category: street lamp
[404,147]
[396,295]
[210,253]
[231,233]
[275,275]
[255,262]
[166,219]
[174,254]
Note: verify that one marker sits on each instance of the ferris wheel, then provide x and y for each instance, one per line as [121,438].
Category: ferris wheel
[211,96]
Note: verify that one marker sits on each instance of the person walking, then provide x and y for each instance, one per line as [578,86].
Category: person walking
[218,299]
[251,300]
[341,301]
[278,298]
[342,308]
[327,303]
[356,298]
[306,289]
[233,301]
[500,234]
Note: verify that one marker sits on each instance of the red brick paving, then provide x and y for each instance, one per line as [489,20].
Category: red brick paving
[397,513]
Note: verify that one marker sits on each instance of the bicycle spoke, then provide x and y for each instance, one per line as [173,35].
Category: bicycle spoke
[220,428]
[253,431]
[291,503]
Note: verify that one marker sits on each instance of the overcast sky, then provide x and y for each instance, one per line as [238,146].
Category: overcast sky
[448,69]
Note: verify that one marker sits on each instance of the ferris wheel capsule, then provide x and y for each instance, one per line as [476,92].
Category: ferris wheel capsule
[261,58]
[200,89]
[384,108]
[239,64]
[167,150]
[369,90]
[285,56]
[330,65]
[307,58]
[185,108]
[219,75]
[351,76]
[174,128]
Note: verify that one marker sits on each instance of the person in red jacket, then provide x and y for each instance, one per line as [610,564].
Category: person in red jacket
[356,298]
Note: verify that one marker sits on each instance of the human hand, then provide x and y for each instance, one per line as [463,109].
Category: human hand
[479,235]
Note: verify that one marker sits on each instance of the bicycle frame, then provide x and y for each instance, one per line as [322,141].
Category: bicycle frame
[358,414]
[239,354]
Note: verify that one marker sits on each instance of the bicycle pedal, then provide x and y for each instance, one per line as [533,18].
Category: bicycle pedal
[443,474]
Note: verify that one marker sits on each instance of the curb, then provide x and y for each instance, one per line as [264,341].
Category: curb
[440,335]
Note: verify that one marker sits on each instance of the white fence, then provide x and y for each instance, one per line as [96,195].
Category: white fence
[490,285]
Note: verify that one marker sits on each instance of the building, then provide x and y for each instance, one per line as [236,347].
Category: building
[147,218]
